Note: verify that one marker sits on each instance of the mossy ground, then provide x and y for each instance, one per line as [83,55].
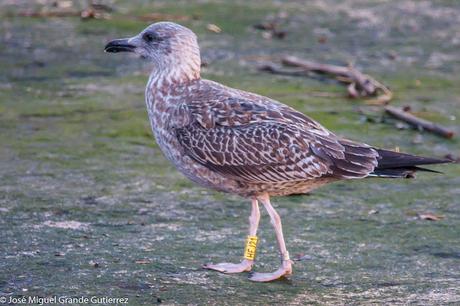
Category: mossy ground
[76,146]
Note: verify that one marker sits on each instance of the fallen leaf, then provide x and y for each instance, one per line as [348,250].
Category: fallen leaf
[430,217]
[213,28]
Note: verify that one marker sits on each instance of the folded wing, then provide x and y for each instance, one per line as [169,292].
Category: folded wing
[259,141]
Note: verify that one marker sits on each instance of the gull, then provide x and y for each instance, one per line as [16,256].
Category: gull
[242,143]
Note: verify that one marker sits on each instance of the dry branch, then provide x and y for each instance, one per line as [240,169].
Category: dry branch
[418,122]
[271,68]
[359,84]
[346,74]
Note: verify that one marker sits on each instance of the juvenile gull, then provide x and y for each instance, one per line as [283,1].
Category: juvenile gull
[242,143]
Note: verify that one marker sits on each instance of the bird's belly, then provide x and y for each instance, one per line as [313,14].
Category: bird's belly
[289,188]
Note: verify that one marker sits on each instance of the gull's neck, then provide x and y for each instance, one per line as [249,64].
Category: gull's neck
[171,74]
[163,82]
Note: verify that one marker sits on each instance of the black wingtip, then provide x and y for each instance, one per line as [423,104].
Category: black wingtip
[402,165]
[391,159]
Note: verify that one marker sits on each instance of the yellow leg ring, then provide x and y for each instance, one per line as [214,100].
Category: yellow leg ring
[250,247]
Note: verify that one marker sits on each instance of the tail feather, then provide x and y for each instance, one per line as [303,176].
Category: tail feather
[402,165]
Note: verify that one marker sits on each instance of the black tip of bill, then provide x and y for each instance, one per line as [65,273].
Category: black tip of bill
[119,45]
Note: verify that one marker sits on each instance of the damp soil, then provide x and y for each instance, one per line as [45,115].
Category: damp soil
[90,207]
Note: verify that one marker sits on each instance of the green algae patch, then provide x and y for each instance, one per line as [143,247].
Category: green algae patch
[89,205]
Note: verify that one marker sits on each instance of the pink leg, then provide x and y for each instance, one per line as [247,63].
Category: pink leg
[246,264]
[286,263]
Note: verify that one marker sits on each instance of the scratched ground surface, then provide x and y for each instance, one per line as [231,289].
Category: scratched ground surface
[89,206]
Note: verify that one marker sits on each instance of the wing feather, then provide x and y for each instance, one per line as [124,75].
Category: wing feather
[254,139]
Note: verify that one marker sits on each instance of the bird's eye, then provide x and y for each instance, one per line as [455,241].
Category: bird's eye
[149,37]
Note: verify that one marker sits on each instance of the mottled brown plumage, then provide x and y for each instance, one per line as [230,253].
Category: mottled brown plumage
[239,142]
[256,145]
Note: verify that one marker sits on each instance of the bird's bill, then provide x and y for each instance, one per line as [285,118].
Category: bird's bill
[119,45]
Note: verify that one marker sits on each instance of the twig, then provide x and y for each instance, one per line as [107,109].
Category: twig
[418,122]
[316,67]
[347,74]
[359,84]
[271,68]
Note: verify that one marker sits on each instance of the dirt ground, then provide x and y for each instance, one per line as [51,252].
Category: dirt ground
[90,207]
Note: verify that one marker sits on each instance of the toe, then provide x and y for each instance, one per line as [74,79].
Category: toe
[229,267]
[214,267]
[262,277]
[267,277]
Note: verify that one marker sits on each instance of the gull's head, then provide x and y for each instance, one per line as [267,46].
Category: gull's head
[171,47]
